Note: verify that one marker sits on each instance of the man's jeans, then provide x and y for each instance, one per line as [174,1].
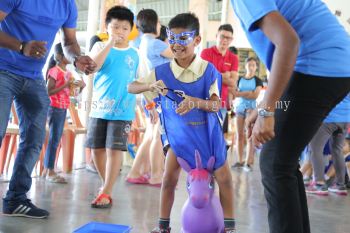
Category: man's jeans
[31,102]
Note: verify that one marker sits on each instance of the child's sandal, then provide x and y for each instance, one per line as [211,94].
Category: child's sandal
[97,202]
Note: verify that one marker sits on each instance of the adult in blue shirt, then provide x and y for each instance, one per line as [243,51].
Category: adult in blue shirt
[27,31]
[305,48]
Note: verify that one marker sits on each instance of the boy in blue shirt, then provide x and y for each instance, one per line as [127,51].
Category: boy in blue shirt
[305,48]
[113,108]
[189,101]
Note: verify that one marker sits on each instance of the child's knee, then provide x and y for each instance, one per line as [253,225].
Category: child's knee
[224,180]
[169,181]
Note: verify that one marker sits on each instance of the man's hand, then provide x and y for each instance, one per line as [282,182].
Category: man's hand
[186,105]
[35,49]
[85,64]
[260,129]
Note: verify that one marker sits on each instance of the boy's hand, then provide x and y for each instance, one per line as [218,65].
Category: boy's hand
[113,39]
[153,115]
[186,105]
[158,87]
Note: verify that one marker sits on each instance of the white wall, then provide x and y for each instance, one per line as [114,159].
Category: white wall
[344,7]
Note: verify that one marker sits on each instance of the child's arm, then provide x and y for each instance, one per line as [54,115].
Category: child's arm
[249,94]
[51,90]
[137,87]
[99,57]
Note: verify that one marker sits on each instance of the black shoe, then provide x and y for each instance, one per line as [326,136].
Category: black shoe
[23,209]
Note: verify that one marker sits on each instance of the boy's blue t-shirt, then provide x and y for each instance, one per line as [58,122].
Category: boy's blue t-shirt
[150,49]
[324,43]
[340,113]
[111,100]
[33,20]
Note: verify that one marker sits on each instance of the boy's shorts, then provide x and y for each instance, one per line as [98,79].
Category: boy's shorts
[111,134]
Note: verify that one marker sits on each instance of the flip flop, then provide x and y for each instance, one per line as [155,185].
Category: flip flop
[96,203]
[139,180]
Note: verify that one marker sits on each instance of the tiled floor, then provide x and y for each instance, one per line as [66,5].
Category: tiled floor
[137,206]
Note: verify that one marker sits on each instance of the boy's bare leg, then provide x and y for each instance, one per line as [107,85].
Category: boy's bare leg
[224,180]
[114,162]
[170,179]
[99,158]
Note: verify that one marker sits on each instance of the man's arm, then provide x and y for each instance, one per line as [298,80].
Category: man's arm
[35,49]
[71,50]
[286,42]
[7,41]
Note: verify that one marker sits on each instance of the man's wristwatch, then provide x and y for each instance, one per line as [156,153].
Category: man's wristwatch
[265,113]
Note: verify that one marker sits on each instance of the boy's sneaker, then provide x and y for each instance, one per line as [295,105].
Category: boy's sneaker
[318,189]
[338,189]
[159,230]
[23,209]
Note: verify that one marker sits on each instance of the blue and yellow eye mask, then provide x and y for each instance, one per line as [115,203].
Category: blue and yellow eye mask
[183,38]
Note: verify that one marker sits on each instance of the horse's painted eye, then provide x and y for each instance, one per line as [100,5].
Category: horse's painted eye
[211,184]
[188,185]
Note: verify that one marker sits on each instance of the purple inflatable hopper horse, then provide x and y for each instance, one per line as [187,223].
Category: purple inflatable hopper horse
[202,212]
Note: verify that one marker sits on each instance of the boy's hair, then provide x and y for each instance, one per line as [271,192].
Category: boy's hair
[147,20]
[251,59]
[162,35]
[185,20]
[226,27]
[120,13]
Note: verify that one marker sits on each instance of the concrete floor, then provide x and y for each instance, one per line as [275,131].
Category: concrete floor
[137,206]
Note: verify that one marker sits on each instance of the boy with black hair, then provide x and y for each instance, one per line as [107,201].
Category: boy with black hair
[113,108]
[191,85]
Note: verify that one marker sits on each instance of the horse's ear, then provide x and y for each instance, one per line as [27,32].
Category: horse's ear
[198,160]
[210,164]
[184,164]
